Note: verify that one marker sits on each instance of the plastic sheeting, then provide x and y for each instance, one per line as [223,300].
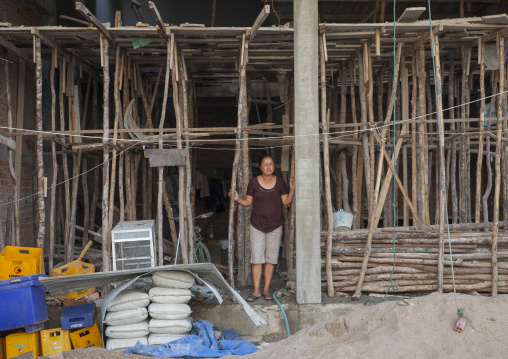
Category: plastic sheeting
[200,343]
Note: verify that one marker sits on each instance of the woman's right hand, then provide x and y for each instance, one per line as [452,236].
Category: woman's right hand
[233,194]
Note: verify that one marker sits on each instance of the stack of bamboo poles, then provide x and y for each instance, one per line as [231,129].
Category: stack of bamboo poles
[416,266]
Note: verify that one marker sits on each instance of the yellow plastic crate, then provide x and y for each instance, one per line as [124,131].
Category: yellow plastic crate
[86,337]
[3,355]
[17,344]
[55,341]
[20,261]
[76,267]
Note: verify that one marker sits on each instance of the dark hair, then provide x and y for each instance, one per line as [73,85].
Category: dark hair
[263,157]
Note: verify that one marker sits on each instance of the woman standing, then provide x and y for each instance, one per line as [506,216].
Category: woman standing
[267,192]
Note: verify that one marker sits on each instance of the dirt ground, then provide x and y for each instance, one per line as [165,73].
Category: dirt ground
[423,329]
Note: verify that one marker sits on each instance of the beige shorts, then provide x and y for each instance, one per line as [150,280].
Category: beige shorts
[264,247]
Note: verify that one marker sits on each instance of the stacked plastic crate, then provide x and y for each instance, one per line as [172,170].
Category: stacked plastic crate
[81,322]
[23,308]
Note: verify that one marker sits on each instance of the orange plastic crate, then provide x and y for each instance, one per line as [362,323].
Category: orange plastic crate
[76,267]
[86,337]
[3,355]
[17,344]
[55,341]
[20,261]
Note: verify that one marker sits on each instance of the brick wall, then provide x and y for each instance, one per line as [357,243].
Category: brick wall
[17,13]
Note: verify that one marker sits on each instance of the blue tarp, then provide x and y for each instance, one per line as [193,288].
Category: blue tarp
[200,343]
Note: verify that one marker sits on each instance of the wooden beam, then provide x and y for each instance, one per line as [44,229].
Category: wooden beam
[91,17]
[259,21]
[158,19]
[7,142]
[411,14]
[35,31]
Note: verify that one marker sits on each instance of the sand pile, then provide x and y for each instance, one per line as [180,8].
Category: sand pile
[422,330]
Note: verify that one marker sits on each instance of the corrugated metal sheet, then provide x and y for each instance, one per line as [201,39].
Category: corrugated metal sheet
[205,271]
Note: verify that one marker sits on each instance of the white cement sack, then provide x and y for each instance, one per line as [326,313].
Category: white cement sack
[173,279]
[169,295]
[168,326]
[129,299]
[158,339]
[124,317]
[169,311]
[128,331]
[114,344]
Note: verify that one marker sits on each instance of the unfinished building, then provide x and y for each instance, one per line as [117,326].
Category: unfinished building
[411,137]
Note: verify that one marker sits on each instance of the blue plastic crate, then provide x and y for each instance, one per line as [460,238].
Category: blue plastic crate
[78,316]
[23,303]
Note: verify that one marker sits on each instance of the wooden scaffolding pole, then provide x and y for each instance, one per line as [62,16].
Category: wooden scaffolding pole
[11,154]
[106,258]
[440,160]
[481,124]
[242,108]
[160,170]
[184,83]
[118,119]
[184,239]
[325,115]
[52,213]
[39,149]
[497,189]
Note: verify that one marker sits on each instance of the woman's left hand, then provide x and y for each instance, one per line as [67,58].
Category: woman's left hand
[292,183]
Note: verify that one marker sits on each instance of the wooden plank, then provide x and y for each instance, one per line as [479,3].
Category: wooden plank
[411,14]
[91,17]
[501,19]
[158,19]
[166,157]
[259,21]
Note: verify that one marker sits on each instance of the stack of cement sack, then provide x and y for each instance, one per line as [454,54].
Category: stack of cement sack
[169,309]
[129,320]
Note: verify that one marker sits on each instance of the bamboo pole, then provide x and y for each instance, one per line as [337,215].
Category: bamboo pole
[497,189]
[106,258]
[161,188]
[325,116]
[11,154]
[39,149]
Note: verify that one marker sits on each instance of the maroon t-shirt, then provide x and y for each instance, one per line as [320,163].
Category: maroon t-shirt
[267,205]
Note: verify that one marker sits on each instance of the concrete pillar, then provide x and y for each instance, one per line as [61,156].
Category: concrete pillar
[308,253]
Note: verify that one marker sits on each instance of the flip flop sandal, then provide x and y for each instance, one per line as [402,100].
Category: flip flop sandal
[253,298]
[268,296]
